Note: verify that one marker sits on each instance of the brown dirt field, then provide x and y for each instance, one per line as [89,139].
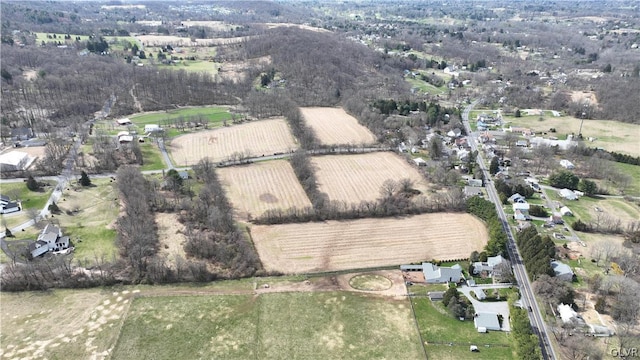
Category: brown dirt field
[340,245]
[354,178]
[299,26]
[253,139]
[256,188]
[216,25]
[33,151]
[582,97]
[171,235]
[161,40]
[333,126]
[236,70]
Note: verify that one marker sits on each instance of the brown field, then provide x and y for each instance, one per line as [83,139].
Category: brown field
[341,245]
[215,25]
[354,178]
[237,70]
[255,138]
[256,188]
[333,126]
[299,26]
[171,234]
[162,40]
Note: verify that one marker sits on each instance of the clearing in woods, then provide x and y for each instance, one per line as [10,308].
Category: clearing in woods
[256,188]
[289,325]
[364,243]
[333,126]
[356,178]
[251,139]
[172,239]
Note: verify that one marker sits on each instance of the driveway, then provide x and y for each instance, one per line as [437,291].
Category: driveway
[497,307]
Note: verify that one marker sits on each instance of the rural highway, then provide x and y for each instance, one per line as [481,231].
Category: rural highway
[528,297]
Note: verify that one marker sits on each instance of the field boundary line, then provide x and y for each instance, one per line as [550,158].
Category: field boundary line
[123,319]
[415,320]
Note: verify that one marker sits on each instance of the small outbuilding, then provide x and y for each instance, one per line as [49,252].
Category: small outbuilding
[123,122]
[15,161]
[486,321]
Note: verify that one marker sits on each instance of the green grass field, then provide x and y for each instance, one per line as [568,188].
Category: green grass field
[152,157]
[114,41]
[214,115]
[634,172]
[30,199]
[439,330]
[320,325]
[425,87]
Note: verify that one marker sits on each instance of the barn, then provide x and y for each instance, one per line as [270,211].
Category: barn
[15,161]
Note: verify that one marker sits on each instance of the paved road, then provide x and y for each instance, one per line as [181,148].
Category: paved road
[528,297]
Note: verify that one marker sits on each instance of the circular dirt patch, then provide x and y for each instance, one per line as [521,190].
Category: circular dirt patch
[370,282]
[268,198]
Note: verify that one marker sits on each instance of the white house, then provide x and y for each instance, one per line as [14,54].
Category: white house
[517,198]
[568,194]
[50,239]
[567,164]
[565,211]
[15,161]
[487,267]
[149,128]
[420,161]
[124,121]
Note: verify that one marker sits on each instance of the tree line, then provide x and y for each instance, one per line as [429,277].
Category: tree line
[537,252]
[486,211]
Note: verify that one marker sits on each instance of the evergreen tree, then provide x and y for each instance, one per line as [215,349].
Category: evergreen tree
[84,179]
[32,184]
[494,166]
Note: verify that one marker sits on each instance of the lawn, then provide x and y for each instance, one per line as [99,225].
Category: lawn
[634,172]
[152,157]
[298,325]
[425,87]
[213,115]
[30,199]
[450,338]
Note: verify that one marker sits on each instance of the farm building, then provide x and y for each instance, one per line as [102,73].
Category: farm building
[124,121]
[50,239]
[436,274]
[565,211]
[486,321]
[149,128]
[435,295]
[480,294]
[15,161]
[562,271]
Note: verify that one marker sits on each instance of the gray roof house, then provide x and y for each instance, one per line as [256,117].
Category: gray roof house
[488,266]
[435,295]
[436,274]
[486,321]
[562,271]
[568,194]
[50,239]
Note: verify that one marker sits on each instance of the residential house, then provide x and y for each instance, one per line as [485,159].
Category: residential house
[517,198]
[567,164]
[7,206]
[454,133]
[470,191]
[556,218]
[124,121]
[420,161]
[568,315]
[436,274]
[568,194]
[562,271]
[486,268]
[49,239]
[522,143]
[474,182]
[21,133]
[486,321]
[15,161]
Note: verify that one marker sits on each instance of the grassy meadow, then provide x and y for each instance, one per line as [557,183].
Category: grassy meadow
[321,325]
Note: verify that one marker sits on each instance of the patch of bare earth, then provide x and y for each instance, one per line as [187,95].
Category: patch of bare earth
[341,245]
[256,188]
[252,139]
[171,234]
[333,126]
[356,178]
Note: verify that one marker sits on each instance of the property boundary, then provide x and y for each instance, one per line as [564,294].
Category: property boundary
[415,320]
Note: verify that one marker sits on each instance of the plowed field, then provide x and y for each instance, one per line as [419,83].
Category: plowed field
[333,126]
[340,245]
[256,188]
[252,139]
[354,178]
